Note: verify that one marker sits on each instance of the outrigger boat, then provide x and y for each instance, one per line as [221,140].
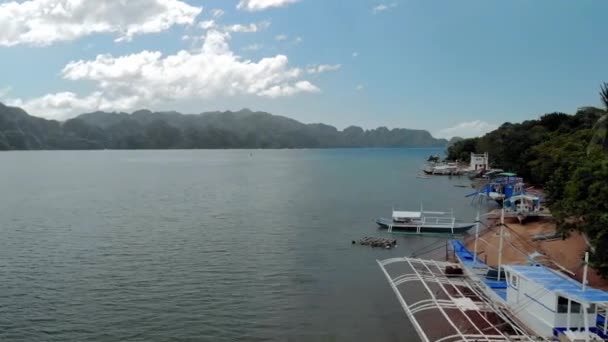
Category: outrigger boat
[443,169]
[479,303]
[510,191]
[423,222]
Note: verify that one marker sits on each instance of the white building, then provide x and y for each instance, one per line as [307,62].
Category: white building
[479,162]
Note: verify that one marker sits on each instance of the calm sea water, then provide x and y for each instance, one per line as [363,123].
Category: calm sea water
[206,245]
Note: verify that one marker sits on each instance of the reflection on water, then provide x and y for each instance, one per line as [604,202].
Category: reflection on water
[206,245]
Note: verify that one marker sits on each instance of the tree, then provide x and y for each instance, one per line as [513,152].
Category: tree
[601,126]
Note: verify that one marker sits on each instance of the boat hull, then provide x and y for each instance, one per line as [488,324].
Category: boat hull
[441,172]
[429,228]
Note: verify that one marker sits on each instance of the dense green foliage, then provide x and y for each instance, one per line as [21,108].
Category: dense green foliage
[520,147]
[171,130]
[568,156]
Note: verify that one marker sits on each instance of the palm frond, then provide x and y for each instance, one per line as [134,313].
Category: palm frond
[604,94]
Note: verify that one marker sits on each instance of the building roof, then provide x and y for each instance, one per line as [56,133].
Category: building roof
[553,281]
[407,214]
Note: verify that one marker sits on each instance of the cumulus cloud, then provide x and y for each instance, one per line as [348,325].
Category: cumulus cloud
[280,37]
[321,68]
[248,28]
[359,87]
[355,54]
[44,22]
[260,5]
[236,28]
[216,13]
[207,24]
[467,129]
[147,78]
[64,105]
[383,7]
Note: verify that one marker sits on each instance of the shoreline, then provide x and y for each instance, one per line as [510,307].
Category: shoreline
[566,253]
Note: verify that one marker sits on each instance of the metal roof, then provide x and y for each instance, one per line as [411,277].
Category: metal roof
[447,308]
[561,284]
[407,214]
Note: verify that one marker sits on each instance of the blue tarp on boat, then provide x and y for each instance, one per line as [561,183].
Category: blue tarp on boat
[466,258]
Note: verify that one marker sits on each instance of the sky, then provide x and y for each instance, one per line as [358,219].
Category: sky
[455,68]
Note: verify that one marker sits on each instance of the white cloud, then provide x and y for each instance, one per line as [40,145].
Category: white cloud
[359,87]
[64,105]
[355,54]
[260,5]
[298,87]
[253,47]
[467,129]
[148,78]
[280,37]
[43,22]
[207,24]
[321,68]
[384,7]
[248,28]
[216,13]
[236,28]
[297,40]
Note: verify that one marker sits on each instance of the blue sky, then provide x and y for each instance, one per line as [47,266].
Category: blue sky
[452,67]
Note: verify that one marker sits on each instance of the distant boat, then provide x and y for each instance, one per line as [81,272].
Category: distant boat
[443,169]
[423,222]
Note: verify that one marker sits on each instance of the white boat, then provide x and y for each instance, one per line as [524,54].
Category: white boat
[547,301]
[442,169]
[423,222]
[480,303]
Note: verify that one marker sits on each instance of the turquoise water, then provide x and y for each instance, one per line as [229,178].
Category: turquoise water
[207,245]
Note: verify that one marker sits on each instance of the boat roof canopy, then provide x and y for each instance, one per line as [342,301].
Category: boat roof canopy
[524,196]
[507,174]
[407,214]
[447,308]
[559,284]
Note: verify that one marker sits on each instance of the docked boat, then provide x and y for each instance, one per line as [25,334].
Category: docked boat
[442,169]
[423,222]
[547,301]
[476,302]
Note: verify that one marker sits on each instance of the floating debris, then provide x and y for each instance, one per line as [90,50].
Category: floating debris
[377,242]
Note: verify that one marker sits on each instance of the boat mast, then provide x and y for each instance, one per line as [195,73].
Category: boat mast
[585,271]
[476,238]
[502,228]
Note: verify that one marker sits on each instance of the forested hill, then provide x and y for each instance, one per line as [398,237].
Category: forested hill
[565,154]
[171,130]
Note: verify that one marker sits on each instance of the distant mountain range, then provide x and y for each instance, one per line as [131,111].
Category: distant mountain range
[171,130]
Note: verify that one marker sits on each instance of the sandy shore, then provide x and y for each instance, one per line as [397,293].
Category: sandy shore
[518,245]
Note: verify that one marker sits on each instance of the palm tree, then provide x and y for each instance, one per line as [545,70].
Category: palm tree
[600,129]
